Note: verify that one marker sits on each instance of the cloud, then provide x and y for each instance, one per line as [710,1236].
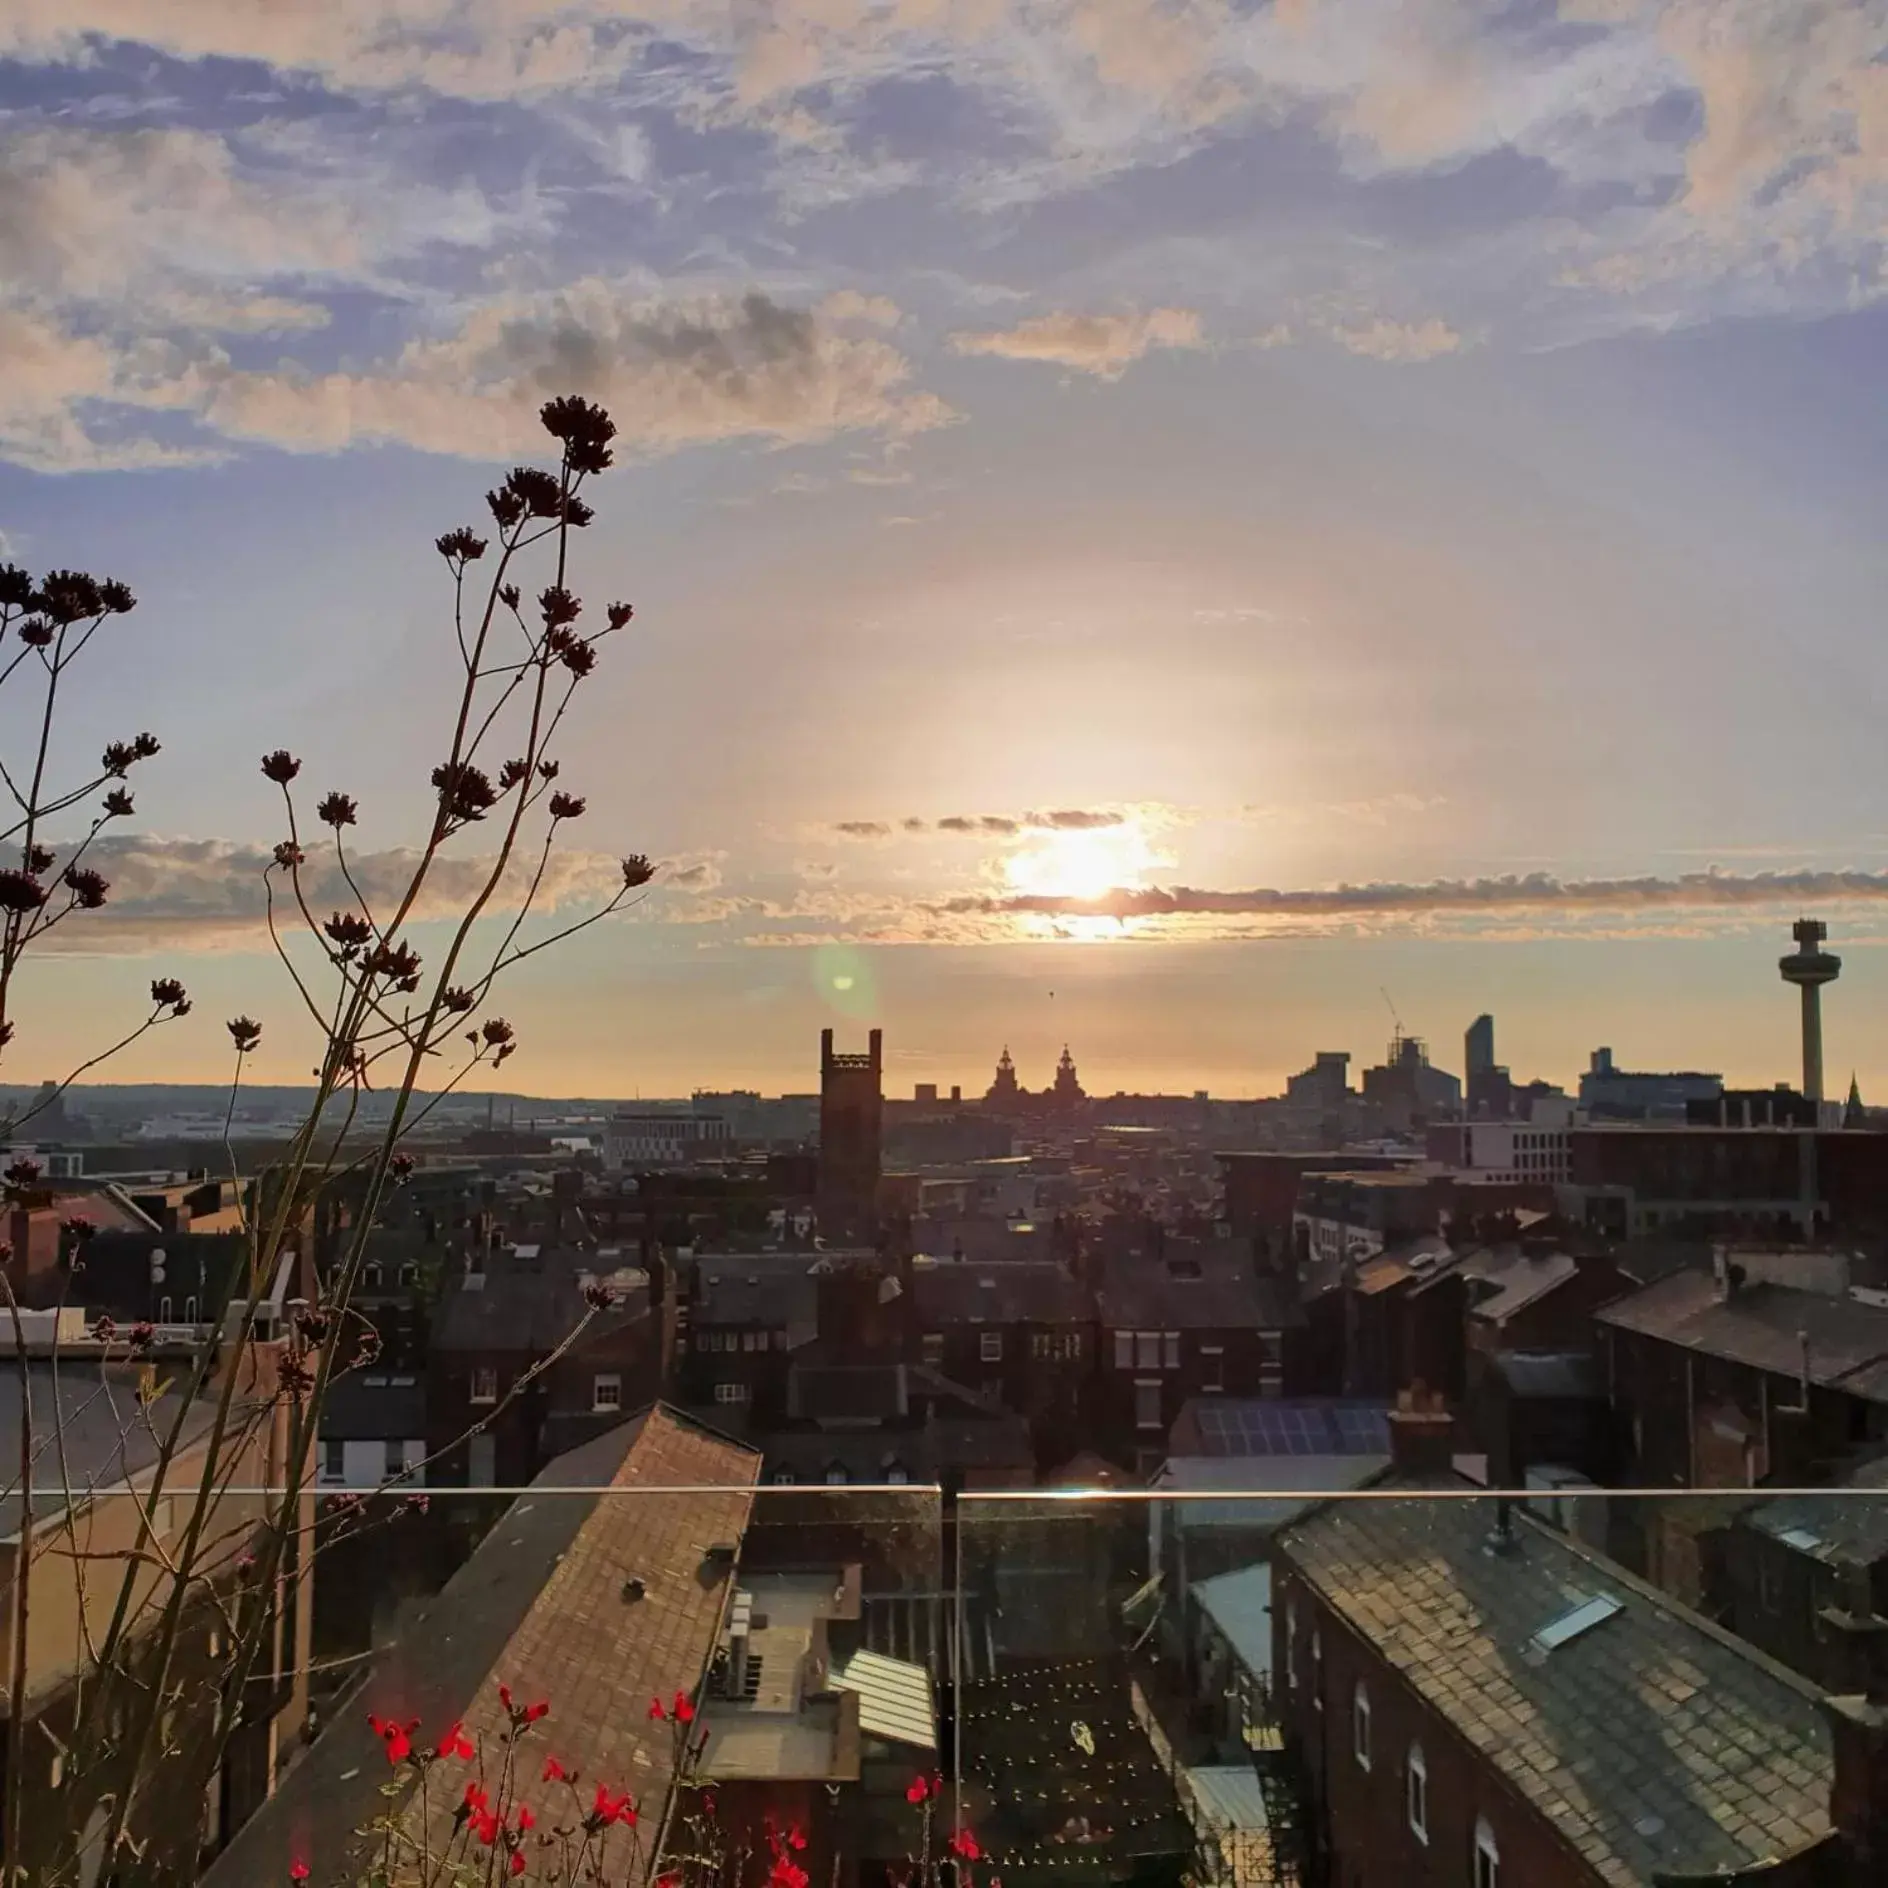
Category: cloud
[874,311]
[1105,345]
[1536,892]
[1400,341]
[195,894]
[674,373]
[990,825]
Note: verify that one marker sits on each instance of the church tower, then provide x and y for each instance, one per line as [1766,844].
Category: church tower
[1002,1096]
[1068,1093]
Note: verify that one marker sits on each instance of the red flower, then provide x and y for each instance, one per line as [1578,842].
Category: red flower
[517,1861]
[534,1712]
[475,1798]
[607,1808]
[485,1826]
[918,1790]
[398,1738]
[525,1818]
[796,1838]
[965,1844]
[786,1874]
[455,1743]
[656,1712]
[554,1772]
[504,1696]
[298,1871]
[683,1710]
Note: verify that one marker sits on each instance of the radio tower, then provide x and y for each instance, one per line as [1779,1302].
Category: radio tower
[1809,967]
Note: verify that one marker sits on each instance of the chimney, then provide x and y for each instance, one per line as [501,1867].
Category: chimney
[1422,1433]
[1858,1724]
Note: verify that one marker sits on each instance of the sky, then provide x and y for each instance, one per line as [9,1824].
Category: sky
[1192,528]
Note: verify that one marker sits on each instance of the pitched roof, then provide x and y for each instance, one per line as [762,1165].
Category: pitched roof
[539,1605]
[1003,1291]
[771,1288]
[1651,1741]
[1846,1527]
[1146,1294]
[530,1302]
[1763,1325]
[1548,1373]
[1260,1425]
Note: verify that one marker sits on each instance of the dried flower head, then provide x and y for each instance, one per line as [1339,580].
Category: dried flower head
[168,993]
[536,490]
[36,632]
[118,803]
[288,855]
[40,860]
[88,888]
[143,1335]
[511,773]
[620,614]
[20,891]
[585,429]
[496,1031]
[69,596]
[598,1297]
[577,514]
[120,756]
[566,806]
[104,1330]
[16,588]
[460,547]
[398,962]
[579,658]
[558,606]
[281,766]
[456,999]
[23,1171]
[509,596]
[548,770]
[244,1033]
[116,597]
[349,930]
[637,871]
[400,1166]
[337,810]
[465,792]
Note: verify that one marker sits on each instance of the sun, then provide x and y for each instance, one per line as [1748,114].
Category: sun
[1080,864]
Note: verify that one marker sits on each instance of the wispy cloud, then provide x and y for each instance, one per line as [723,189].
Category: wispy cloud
[1103,345]
[1400,341]
[1065,819]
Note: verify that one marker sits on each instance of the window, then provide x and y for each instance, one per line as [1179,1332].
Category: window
[606,1391]
[396,1459]
[990,1347]
[1170,1346]
[933,1347]
[730,1392]
[1147,1405]
[1487,1856]
[783,1477]
[1416,1794]
[409,1273]
[895,1474]
[334,1459]
[1124,1350]
[836,1475]
[1272,1349]
[484,1384]
[1147,1350]
[370,1277]
[1360,1726]
[1212,1368]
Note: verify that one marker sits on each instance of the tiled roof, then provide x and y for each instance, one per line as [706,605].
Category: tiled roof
[1763,1325]
[1652,1741]
[540,1607]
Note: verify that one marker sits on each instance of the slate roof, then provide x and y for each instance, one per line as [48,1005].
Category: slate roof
[1548,1373]
[770,1288]
[1138,1294]
[528,1304]
[538,1606]
[104,1442]
[357,1410]
[847,1393]
[1759,1326]
[1846,1527]
[1651,1742]
[1011,1291]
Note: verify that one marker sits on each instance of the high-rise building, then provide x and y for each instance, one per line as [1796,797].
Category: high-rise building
[851,1126]
[1809,967]
[1478,1047]
[1489,1094]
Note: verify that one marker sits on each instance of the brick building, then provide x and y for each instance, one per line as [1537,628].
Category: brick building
[1479,1699]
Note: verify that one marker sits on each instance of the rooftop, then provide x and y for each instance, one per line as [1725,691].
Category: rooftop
[1652,1741]
[1261,1426]
[1840,1342]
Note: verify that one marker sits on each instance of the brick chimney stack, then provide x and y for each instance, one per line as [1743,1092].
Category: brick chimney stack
[1422,1433]
[1858,1723]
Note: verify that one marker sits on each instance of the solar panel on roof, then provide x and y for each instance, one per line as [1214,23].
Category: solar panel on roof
[1570,1625]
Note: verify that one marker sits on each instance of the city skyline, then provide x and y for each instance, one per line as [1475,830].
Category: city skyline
[1215,511]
